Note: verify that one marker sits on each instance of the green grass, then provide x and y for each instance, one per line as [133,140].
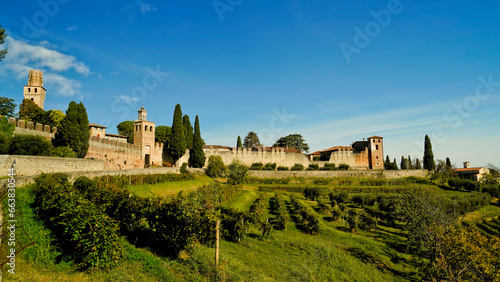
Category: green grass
[242,201]
[170,188]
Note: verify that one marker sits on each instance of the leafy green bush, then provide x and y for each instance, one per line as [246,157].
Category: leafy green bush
[308,221]
[297,167]
[328,166]
[312,193]
[322,181]
[63,152]
[183,168]
[236,172]
[234,224]
[269,166]
[256,166]
[267,180]
[258,209]
[313,167]
[281,217]
[282,168]
[33,145]
[216,167]
[343,167]
[4,143]
[341,197]
[366,221]
[85,234]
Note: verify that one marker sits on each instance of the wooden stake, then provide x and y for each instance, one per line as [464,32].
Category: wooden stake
[217,243]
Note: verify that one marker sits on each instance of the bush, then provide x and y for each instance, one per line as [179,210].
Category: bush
[237,172]
[341,197]
[63,152]
[282,168]
[328,166]
[4,143]
[366,221]
[312,193]
[256,166]
[297,167]
[234,224]
[343,167]
[33,145]
[216,167]
[313,167]
[322,181]
[269,166]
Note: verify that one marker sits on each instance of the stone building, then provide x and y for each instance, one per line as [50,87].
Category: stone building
[474,173]
[366,154]
[34,91]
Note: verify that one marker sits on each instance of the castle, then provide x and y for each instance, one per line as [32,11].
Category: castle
[144,152]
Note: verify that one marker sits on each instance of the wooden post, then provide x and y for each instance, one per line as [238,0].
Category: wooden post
[217,243]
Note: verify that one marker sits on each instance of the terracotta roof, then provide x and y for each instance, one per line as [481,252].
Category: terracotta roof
[336,148]
[96,125]
[216,147]
[115,135]
[315,153]
[376,137]
[468,169]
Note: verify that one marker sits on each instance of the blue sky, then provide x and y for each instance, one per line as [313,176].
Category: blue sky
[333,71]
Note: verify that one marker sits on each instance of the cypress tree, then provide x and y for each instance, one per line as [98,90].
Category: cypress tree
[197,156]
[395,164]
[403,163]
[417,164]
[238,143]
[429,163]
[178,144]
[387,163]
[410,165]
[188,131]
[74,131]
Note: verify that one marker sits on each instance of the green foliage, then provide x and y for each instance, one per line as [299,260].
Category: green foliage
[313,167]
[339,198]
[238,143]
[188,131]
[178,144]
[216,167]
[234,224]
[236,172]
[404,163]
[4,143]
[343,167]
[163,134]
[328,166]
[352,219]
[74,131]
[29,111]
[297,167]
[32,145]
[197,155]
[63,152]
[410,164]
[258,210]
[312,193]
[282,168]
[251,140]
[366,221]
[281,218]
[256,166]
[417,164]
[183,168]
[6,128]
[55,117]
[269,166]
[127,128]
[85,234]
[307,221]
[429,163]
[7,105]
[3,52]
[293,140]
[259,180]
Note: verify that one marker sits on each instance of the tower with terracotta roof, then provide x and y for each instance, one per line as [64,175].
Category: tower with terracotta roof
[144,135]
[376,152]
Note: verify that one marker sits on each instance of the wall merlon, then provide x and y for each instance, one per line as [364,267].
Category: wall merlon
[38,127]
[29,125]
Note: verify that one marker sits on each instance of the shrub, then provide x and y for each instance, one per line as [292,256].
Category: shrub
[297,167]
[256,166]
[269,166]
[341,197]
[4,143]
[328,166]
[366,221]
[63,152]
[352,219]
[308,221]
[282,168]
[322,181]
[281,214]
[312,193]
[183,168]
[33,145]
[343,167]
[234,224]
[313,167]
[236,172]
[216,167]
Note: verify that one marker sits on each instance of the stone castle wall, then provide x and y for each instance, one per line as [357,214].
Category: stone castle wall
[247,157]
[30,128]
[116,155]
[383,174]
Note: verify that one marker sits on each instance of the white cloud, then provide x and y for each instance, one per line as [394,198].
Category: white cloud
[72,28]
[127,99]
[40,56]
[23,57]
[113,73]
[145,7]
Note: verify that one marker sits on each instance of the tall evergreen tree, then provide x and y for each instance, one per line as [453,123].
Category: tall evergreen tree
[74,131]
[188,131]
[404,162]
[429,163]
[410,164]
[178,144]
[3,52]
[417,164]
[395,164]
[251,140]
[197,156]
[387,163]
[238,143]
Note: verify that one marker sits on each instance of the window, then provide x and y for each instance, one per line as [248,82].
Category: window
[29,90]
[376,147]
[32,99]
[377,157]
[35,90]
[151,128]
[145,128]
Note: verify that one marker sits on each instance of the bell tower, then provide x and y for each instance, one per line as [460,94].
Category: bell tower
[34,91]
[144,135]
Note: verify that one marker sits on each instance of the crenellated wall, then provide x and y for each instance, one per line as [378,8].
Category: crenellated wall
[116,155]
[30,128]
[247,156]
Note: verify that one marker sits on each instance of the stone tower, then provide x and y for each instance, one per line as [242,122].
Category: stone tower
[34,91]
[376,152]
[144,135]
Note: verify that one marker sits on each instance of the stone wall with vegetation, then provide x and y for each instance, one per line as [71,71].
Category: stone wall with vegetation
[33,165]
[339,173]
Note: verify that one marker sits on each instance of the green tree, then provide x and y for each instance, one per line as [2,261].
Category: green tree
[236,172]
[163,134]
[429,163]
[29,111]
[216,167]
[404,163]
[251,140]
[74,131]
[417,164]
[126,128]
[394,164]
[3,52]
[4,143]
[178,143]
[293,140]
[387,162]
[189,131]
[197,155]
[449,167]
[6,128]
[55,117]
[238,143]
[410,164]
[7,107]
[32,145]
[63,152]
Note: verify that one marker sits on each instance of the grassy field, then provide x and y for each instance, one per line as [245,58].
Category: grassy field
[336,254]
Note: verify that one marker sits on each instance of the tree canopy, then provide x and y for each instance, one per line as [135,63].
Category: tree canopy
[29,111]
[126,128]
[163,134]
[7,107]
[238,143]
[197,155]
[293,140]
[188,131]
[251,140]
[178,143]
[429,163]
[3,52]
[74,131]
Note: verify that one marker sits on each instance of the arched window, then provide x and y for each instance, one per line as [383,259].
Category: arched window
[32,99]
[151,128]
[35,90]
[29,90]
[145,128]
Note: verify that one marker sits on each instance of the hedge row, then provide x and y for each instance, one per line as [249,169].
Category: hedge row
[308,221]
[84,232]
[122,181]
[281,217]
